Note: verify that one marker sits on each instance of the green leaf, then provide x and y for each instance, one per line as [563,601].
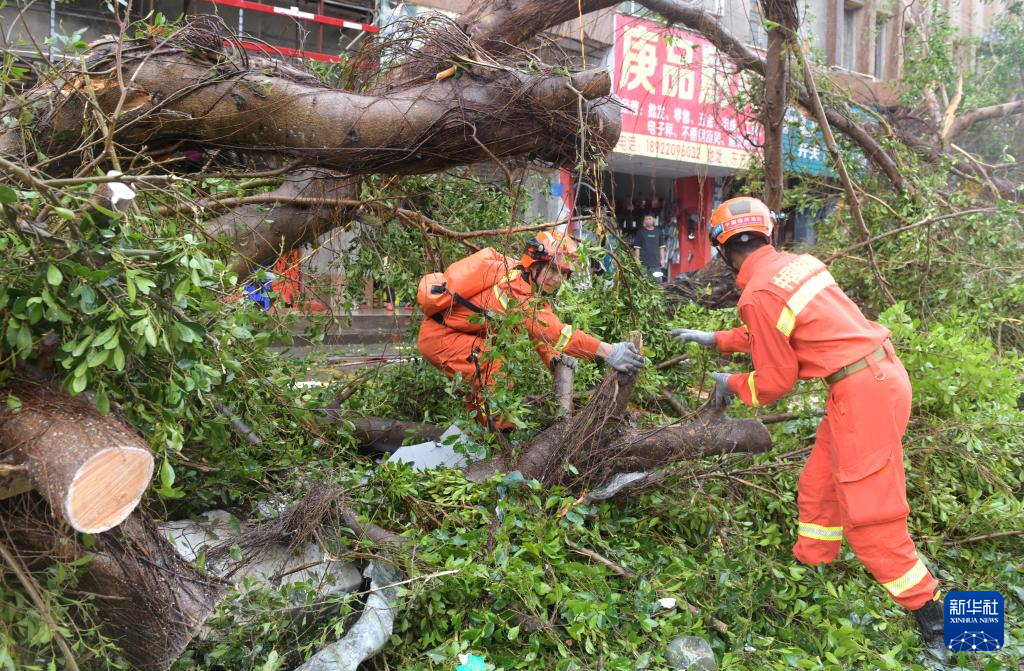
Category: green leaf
[273,662]
[24,339]
[102,401]
[167,476]
[241,333]
[53,275]
[78,384]
[98,358]
[8,195]
[118,359]
[104,336]
[150,334]
[64,213]
[13,403]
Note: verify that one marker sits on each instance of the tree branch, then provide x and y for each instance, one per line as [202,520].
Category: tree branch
[968,119]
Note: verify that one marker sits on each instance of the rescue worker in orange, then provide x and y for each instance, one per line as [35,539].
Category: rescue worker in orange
[457,340]
[798,324]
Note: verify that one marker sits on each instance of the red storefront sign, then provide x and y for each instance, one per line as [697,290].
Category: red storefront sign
[677,89]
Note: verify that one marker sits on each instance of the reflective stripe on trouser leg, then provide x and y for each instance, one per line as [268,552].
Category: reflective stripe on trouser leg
[871,416]
[819,533]
[908,580]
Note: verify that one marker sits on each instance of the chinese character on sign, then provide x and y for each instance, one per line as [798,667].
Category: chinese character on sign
[712,69]
[677,75]
[956,606]
[640,58]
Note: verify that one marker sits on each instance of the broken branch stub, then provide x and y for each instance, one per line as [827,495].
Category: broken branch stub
[90,467]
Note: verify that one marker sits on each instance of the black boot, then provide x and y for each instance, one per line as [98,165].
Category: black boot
[931,620]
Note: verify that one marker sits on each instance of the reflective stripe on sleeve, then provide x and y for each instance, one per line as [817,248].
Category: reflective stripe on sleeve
[563,339]
[916,574]
[787,320]
[818,532]
[811,288]
[799,300]
[753,391]
[500,294]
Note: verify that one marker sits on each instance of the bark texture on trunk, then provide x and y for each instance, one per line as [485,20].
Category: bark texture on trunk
[151,602]
[89,466]
[175,94]
[783,22]
[257,234]
[563,378]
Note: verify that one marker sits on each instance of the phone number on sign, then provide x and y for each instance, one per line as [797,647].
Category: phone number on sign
[690,151]
[670,149]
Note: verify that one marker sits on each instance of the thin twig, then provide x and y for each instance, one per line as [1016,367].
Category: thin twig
[600,559]
[984,537]
[909,227]
[679,408]
[29,584]
[844,176]
[668,363]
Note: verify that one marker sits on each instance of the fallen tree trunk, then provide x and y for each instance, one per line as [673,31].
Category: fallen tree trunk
[90,467]
[591,448]
[382,434]
[150,601]
[179,91]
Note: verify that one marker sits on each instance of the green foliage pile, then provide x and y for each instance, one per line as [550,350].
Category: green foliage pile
[147,319]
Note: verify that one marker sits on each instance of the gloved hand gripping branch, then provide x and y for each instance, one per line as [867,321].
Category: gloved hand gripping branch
[722,395]
[625,358]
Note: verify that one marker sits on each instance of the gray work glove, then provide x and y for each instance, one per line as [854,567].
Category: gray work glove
[624,358]
[722,395]
[570,362]
[702,338]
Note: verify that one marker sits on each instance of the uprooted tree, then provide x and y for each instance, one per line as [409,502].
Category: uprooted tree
[433,95]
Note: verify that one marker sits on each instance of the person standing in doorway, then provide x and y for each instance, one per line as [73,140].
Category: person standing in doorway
[649,246]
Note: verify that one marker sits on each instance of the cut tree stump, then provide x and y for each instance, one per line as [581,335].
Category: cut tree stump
[149,600]
[89,466]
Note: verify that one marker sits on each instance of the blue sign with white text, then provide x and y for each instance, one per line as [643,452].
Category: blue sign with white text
[974,621]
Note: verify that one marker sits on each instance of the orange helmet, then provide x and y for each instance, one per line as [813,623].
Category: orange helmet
[740,215]
[551,246]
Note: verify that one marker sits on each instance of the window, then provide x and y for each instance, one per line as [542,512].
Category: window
[881,28]
[758,33]
[849,53]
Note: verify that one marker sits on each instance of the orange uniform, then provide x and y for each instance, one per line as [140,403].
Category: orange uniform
[449,343]
[800,325]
